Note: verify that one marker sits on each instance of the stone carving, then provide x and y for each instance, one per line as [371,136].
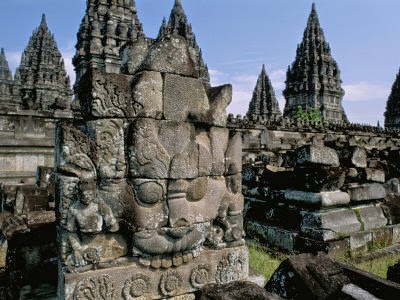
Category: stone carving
[230,267]
[201,275]
[136,287]
[87,217]
[96,288]
[170,283]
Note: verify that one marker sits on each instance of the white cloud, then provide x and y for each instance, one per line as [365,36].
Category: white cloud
[278,78]
[365,91]
[14,59]
[68,55]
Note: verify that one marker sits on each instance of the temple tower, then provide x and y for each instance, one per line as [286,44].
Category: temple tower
[6,83]
[313,80]
[178,24]
[41,80]
[263,104]
[392,114]
[105,29]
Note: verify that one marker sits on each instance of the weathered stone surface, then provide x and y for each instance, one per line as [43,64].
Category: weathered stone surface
[170,54]
[236,290]
[185,99]
[215,266]
[319,179]
[108,137]
[323,199]
[281,238]
[147,91]
[233,154]
[330,224]
[374,175]
[134,55]
[372,217]
[205,154]
[356,292]
[306,276]
[360,241]
[353,157]
[317,155]
[367,191]
[220,97]
[392,186]
[219,138]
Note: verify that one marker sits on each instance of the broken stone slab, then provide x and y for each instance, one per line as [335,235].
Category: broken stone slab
[371,217]
[360,242]
[237,290]
[366,191]
[220,97]
[392,186]
[317,155]
[308,276]
[329,225]
[233,154]
[219,138]
[319,179]
[353,157]
[355,292]
[185,99]
[322,199]
[133,280]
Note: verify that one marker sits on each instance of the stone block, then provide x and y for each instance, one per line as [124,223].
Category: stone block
[323,199]
[281,238]
[374,175]
[317,155]
[170,55]
[360,242]
[353,157]
[371,217]
[396,233]
[319,179]
[185,99]
[134,281]
[338,248]
[220,97]
[219,138]
[233,154]
[147,92]
[392,186]
[205,154]
[382,238]
[329,225]
[109,156]
[367,191]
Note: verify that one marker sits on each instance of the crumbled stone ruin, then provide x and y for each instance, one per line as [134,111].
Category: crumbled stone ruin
[316,189]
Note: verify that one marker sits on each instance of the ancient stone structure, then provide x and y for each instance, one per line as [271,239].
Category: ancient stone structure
[263,104]
[30,104]
[313,80]
[392,113]
[148,183]
[336,189]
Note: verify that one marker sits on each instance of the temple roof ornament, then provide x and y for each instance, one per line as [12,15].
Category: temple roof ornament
[313,79]
[263,104]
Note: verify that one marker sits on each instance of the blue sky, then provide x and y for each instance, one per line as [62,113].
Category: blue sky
[238,36]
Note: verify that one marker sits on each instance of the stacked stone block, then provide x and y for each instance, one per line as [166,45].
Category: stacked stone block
[149,182]
[319,198]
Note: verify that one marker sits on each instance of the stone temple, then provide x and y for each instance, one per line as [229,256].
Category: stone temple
[313,79]
[148,181]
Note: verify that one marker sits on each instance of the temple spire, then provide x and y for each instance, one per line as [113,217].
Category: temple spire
[313,80]
[263,104]
[5,73]
[392,113]
[43,83]
[178,24]
[105,29]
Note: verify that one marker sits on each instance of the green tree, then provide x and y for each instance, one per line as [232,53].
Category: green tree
[311,114]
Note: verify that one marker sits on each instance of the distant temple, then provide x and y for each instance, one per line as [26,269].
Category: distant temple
[392,113]
[30,103]
[313,80]
[263,104]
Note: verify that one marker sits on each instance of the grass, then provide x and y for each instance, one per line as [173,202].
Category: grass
[266,261]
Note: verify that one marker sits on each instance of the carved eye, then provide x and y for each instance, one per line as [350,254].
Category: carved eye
[150,192]
[197,189]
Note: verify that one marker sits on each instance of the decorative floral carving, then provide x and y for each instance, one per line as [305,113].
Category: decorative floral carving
[231,267]
[136,287]
[201,275]
[170,283]
[100,288]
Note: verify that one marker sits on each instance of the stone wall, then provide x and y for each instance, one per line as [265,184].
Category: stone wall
[26,142]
